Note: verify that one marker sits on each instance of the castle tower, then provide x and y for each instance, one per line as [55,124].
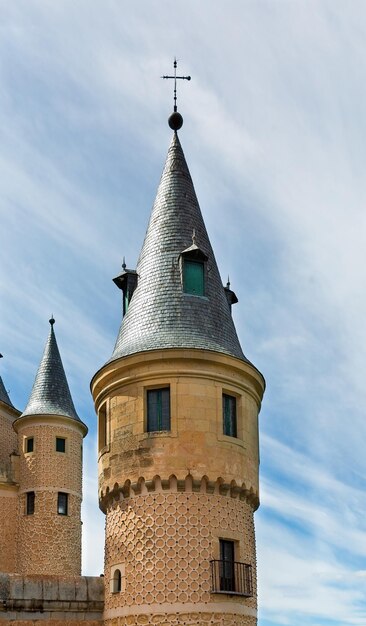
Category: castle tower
[177,408]
[50,436]
[8,485]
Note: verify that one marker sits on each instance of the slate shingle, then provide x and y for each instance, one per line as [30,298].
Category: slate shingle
[51,394]
[160,315]
[4,396]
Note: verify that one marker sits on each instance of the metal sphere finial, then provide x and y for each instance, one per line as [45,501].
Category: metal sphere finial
[52,320]
[175,121]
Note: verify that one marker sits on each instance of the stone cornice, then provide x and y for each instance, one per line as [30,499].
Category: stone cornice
[50,420]
[203,364]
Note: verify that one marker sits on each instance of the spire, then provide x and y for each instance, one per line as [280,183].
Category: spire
[50,394]
[160,314]
[4,396]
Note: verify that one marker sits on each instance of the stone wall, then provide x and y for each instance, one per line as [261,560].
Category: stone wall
[8,527]
[163,543]
[50,600]
[171,495]
[195,442]
[49,543]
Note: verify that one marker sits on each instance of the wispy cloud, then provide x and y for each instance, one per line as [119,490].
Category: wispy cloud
[275,138]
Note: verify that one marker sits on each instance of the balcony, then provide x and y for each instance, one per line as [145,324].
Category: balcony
[231,577]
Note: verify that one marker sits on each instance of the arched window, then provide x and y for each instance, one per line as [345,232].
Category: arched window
[116,585]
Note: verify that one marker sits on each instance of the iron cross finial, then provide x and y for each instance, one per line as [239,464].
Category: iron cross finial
[175,83]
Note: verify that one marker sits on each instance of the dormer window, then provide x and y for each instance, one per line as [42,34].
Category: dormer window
[193,267]
[127,282]
[230,295]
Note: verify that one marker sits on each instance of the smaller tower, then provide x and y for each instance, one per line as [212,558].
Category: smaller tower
[8,485]
[50,435]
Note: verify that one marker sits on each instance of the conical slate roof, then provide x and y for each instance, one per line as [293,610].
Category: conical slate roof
[4,396]
[51,394]
[160,315]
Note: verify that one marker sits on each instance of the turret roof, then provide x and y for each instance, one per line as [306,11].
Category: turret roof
[160,315]
[4,396]
[51,394]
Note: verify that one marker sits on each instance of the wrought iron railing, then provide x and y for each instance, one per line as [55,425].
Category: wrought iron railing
[231,577]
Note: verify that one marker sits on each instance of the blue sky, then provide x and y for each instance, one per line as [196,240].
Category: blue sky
[275,138]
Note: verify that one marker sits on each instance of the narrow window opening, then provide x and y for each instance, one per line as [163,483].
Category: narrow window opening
[229,415]
[102,426]
[158,409]
[227,558]
[29,444]
[126,301]
[30,502]
[62,503]
[60,444]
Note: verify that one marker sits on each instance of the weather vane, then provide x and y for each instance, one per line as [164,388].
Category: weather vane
[176,120]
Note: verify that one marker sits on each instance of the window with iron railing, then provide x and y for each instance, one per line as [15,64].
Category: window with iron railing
[231,577]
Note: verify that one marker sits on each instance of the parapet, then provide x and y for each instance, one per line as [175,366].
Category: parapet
[69,599]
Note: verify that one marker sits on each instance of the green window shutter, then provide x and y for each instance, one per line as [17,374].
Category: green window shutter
[229,415]
[193,277]
[126,302]
[158,409]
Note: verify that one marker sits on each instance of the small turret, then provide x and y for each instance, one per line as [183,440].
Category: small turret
[50,435]
[127,282]
[230,295]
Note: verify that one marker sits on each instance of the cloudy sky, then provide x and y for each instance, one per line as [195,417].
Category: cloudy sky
[275,138]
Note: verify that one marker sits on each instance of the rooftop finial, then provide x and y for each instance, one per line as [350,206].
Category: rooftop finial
[124,263]
[176,120]
[52,320]
[228,282]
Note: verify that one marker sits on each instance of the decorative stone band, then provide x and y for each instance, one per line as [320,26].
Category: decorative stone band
[40,489]
[188,484]
[191,611]
[8,490]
